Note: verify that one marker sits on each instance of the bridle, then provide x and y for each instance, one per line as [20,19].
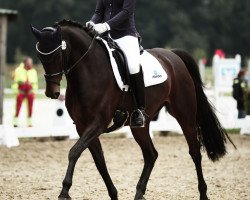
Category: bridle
[65,71]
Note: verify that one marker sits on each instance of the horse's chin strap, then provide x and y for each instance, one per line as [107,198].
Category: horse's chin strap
[52,81]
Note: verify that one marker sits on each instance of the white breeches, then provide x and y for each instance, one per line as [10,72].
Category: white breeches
[130,47]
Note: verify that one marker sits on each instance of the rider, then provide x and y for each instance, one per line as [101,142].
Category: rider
[118,18]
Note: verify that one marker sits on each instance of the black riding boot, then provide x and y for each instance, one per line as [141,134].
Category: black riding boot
[137,118]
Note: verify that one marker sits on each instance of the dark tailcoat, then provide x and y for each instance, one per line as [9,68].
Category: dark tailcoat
[119,14]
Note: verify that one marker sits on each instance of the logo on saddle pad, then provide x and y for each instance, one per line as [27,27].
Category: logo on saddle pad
[156,75]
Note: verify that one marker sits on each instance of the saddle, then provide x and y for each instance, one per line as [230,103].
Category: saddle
[120,58]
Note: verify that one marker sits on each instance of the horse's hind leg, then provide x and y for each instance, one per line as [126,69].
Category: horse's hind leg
[188,125]
[97,154]
[150,155]
[194,151]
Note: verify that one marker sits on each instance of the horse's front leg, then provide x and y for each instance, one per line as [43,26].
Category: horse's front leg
[87,136]
[97,154]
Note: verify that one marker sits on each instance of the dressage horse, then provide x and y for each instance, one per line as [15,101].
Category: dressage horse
[92,97]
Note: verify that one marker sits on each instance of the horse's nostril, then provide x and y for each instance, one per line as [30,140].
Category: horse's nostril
[56,95]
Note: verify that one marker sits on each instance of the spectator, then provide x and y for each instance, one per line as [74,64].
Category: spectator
[239,85]
[24,86]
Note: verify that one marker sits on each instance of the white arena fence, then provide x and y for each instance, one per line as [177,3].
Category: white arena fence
[46,122]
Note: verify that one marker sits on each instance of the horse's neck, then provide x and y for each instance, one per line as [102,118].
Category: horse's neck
[93,67]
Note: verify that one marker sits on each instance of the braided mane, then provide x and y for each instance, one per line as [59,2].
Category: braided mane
[71,23]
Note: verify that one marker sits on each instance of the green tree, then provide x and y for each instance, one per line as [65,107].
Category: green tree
[195,25]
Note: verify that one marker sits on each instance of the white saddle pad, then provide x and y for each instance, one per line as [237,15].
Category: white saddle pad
[153,72]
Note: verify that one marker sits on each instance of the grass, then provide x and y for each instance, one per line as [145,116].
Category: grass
[233,131]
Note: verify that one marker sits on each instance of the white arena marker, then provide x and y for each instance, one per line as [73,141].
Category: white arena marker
[245,128]
[8,136]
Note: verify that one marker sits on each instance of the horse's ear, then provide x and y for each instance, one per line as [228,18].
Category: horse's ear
[36,32]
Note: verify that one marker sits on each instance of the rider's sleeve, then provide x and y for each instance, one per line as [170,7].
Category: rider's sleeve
[127,10]
[99,12]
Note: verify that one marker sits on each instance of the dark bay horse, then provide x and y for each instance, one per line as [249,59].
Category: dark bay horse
[92,96]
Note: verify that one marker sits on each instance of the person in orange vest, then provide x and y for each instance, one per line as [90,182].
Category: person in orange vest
[25,84]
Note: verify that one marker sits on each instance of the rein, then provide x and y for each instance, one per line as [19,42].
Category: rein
[65,71]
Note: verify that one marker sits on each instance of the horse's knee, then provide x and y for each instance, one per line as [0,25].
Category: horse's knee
[73,154]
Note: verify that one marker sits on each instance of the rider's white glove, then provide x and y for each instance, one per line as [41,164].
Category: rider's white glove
[90,25]
[101,28]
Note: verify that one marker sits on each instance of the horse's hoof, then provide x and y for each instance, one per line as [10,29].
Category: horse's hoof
[64,198]
[204,198]
[140,198]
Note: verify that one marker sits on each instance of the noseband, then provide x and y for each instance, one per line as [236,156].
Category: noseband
[63,45]
[64,71]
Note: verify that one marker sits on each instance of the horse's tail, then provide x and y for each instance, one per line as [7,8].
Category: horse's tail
[212,134]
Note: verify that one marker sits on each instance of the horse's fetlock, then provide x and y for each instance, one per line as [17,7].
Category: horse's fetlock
[202,187]
[67,184]
[113,194]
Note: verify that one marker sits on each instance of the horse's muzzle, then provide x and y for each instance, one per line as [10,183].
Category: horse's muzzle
[54,95]
[52,90]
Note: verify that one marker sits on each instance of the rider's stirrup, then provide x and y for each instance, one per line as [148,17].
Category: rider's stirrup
[137,118]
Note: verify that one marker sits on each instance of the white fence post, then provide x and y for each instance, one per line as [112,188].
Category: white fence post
[8,136]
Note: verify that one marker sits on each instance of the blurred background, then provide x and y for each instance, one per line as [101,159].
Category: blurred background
[198,26]
[201,27]
[215,32]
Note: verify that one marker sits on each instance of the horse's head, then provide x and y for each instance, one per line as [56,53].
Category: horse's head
[49,49]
